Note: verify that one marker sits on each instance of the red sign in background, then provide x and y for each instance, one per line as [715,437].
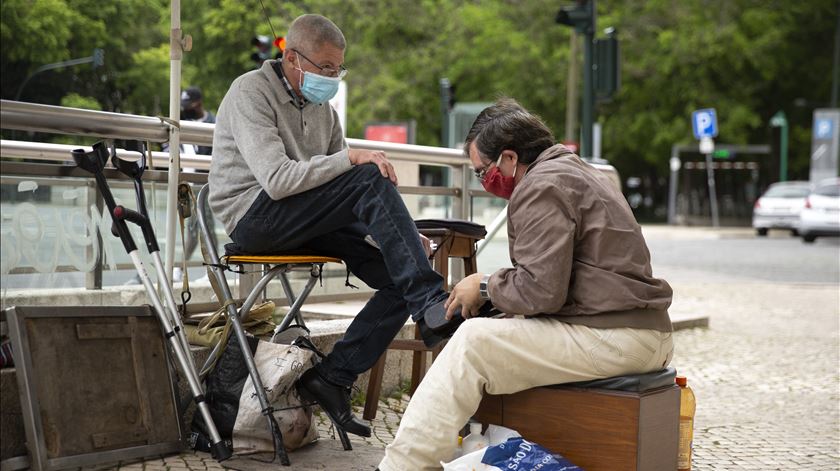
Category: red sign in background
[397,133]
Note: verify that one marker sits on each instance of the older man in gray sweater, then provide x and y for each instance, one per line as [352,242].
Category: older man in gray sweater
[282,177]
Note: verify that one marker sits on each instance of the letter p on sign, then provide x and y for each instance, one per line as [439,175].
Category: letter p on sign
[704,123]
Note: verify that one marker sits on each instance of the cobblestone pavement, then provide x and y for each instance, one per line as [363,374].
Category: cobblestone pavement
[765,373]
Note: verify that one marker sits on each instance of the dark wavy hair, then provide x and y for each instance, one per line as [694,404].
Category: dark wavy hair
[506,125]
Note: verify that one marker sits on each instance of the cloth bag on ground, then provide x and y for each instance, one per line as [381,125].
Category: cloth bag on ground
[235,407]
[210,330]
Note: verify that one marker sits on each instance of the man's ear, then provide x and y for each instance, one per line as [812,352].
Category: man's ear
[510,154]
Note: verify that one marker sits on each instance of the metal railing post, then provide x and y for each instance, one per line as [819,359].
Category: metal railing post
[93,279]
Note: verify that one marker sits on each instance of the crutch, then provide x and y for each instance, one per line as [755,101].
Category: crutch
[134,170]
[266,408]
[94,162]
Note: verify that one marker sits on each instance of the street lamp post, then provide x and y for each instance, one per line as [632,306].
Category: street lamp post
[779,120]
[98,59]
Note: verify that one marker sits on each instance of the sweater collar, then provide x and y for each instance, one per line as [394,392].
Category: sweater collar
[274,71]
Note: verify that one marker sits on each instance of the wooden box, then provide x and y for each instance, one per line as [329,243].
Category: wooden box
[596,429]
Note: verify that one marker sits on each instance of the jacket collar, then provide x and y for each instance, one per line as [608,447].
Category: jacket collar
[554,152]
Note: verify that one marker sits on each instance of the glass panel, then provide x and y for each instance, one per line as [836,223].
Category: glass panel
[52,233]
[48,233]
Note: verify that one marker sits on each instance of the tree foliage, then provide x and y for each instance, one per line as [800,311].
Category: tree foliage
[747,58]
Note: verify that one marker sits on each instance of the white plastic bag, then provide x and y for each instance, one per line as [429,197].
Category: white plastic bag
[497,434]
[469,462]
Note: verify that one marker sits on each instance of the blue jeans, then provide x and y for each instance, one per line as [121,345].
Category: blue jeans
[333,219]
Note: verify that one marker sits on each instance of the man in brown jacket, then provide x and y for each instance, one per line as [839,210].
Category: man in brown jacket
[581,299]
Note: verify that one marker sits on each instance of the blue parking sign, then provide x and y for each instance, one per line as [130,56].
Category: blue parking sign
[823,128]
[704,123]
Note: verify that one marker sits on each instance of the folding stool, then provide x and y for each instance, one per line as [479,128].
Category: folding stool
[274,266]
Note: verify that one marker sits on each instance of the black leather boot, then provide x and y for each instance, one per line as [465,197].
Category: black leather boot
[334,399]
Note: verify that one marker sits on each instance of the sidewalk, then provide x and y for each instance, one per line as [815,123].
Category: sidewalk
[765,379]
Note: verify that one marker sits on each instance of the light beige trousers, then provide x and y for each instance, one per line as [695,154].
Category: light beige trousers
[504,356]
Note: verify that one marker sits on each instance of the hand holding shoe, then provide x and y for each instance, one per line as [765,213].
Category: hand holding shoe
[465,297]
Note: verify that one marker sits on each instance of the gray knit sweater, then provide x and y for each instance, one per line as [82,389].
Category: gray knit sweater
[263,141]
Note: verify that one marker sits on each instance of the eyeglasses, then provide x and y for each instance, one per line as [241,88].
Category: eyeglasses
[480,174]
[326,70]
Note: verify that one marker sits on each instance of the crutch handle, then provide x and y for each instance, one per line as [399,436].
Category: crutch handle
[94,162]
[121,213]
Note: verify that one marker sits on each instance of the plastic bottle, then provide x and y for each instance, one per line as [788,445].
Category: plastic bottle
[687,409]
[475,440]
[459,450]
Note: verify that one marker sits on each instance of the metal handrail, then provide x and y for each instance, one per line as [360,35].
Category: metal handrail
[73,121]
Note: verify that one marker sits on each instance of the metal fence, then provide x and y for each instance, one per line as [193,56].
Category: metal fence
[53,219]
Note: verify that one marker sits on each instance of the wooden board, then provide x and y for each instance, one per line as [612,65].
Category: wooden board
[95,384]
[595,429]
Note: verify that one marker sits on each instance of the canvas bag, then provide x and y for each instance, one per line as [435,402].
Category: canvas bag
[235,407]
[215,327]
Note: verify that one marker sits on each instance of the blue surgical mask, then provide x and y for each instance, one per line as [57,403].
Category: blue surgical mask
[317,88]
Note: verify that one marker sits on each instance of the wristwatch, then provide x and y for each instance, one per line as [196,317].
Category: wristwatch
[482,288]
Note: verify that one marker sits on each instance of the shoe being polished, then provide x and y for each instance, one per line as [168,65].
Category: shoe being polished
[334,399]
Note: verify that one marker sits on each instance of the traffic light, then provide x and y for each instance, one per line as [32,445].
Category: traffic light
[280,44]
[447,95]
[263,45]
[579,16]
[98,57]
[607,66]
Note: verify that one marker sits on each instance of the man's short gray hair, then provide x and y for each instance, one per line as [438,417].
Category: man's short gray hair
[309,32]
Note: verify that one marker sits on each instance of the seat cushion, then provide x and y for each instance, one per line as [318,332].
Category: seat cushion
[279,259]
[467,228]
[234,254]
[630,383]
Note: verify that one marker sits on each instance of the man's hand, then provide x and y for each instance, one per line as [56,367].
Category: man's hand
[363,156]
[466,296]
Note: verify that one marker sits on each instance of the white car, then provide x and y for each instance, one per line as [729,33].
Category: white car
[779,207]
[821,215]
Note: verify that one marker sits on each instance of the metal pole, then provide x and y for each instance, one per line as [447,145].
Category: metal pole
[835,76]
[675,165]
[710,173]
[588,85]
[572,90]
[499,221]
[55,65]
[779,120]
[445,98]
[175,55]
[783,170]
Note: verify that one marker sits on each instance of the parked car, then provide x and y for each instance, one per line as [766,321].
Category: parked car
[779,207]
[821,215]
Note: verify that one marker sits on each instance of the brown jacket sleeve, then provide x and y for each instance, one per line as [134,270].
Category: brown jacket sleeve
[541,253]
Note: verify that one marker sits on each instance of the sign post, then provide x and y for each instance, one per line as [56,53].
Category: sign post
[825,144]
[704,124]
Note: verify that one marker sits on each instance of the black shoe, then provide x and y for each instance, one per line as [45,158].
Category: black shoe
[334,399]
[430,339]
[435,318]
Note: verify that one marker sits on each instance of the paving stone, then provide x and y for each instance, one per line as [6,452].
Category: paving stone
[764,373]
